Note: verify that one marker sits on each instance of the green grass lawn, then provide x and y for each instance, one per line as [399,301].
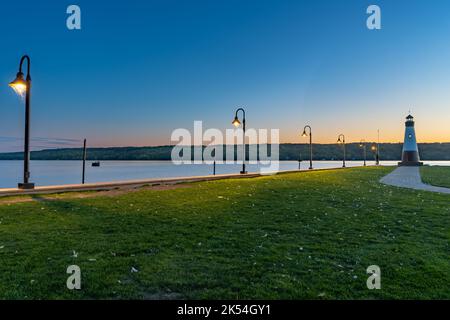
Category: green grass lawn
[436,176]
[291,236]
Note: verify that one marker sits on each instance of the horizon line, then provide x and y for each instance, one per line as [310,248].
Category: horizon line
[238,144]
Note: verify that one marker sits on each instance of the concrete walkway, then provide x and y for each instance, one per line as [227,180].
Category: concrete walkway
[409,177]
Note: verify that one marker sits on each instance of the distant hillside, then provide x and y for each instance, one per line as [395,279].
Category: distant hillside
[388,151]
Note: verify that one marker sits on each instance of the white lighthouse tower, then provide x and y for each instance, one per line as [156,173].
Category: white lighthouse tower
[410,153]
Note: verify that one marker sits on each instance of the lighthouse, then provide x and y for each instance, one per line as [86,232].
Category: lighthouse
[410,153]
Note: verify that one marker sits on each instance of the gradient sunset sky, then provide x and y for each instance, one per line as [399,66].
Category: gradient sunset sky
[140,69]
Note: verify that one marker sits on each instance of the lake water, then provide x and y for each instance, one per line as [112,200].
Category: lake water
[45,173]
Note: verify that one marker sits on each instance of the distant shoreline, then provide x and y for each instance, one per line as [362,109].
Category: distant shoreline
[304,160]
[287,152]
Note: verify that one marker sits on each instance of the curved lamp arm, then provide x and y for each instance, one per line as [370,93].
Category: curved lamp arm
[243,113]
[304,129]
[25,57]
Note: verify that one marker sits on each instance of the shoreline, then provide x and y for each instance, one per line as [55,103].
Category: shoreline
[47,173]
[100,186]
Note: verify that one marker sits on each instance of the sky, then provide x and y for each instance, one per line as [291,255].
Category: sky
[137,70]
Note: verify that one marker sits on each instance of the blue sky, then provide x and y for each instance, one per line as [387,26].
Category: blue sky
[140,69]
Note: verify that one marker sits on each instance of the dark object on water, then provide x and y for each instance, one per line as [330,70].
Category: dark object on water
[96,164]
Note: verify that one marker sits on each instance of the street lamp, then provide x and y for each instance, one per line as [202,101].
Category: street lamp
[362,144]
[236,122]
[23,87]
[304,134]
[377,162]
[374,149]
[342,141]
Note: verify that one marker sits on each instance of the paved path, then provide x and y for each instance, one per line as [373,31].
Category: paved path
[409,177]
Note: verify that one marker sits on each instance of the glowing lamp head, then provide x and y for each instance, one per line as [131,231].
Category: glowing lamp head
[19,85]
[304,134]
[374,148]
[236,122]
[339,140]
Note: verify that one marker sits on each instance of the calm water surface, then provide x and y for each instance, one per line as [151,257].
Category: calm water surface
[44,173]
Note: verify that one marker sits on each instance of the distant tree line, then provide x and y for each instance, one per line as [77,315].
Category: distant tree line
[388,151]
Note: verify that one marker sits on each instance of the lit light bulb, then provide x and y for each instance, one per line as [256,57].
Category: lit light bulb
[19,85]
[19,88]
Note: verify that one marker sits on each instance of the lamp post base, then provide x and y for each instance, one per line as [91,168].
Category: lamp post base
[243,172]
[310,168]
[26,186]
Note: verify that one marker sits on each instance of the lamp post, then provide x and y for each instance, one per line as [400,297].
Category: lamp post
[84,162]
[374,149]
[342,141]
[305,134]
[377,161]
[362,145]
[236,122]
[23,87]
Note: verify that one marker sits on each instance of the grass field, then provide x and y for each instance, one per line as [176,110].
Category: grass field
[437,176]
[291,236]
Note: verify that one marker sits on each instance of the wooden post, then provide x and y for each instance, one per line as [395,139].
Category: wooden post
[299,161]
